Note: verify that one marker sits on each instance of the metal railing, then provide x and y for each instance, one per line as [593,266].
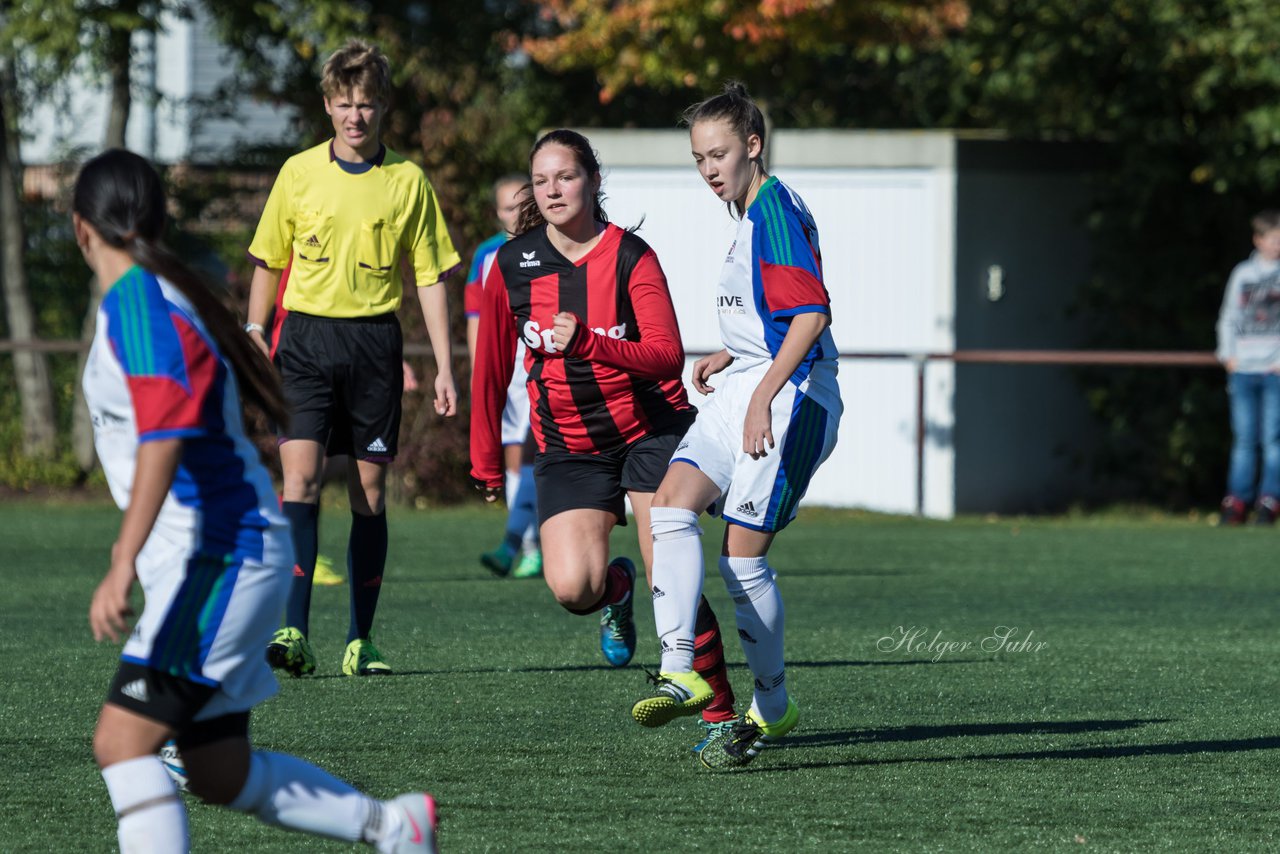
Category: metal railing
[920,359]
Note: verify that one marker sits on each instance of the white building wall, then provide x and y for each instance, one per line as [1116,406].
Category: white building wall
[189,64]
[218,136]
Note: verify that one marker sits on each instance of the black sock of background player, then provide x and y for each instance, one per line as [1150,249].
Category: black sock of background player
[366,559]
[303,523]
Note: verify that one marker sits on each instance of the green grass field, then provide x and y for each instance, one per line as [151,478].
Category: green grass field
[1147,719]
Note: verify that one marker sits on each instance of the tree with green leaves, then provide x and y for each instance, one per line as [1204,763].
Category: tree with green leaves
[58,39]
[35,389]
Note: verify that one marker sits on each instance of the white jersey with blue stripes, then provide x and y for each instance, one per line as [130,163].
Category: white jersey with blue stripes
[154,372]
[772,274]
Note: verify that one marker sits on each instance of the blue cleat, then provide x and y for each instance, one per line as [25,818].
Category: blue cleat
[713,731]
[617,629]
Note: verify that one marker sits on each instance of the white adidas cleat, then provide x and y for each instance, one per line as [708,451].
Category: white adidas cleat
[417,812]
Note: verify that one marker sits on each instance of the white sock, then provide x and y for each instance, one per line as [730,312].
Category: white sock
[522,514]
[677,583]
[758,608]
[284,791]
[151,817]
[510,486]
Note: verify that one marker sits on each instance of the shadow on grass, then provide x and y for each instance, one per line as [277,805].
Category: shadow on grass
[1119,751]
[926,733]
[568,668]
[581,668]
[911,662]
[831,572]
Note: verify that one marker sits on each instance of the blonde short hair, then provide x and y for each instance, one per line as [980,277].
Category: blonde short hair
[357,65]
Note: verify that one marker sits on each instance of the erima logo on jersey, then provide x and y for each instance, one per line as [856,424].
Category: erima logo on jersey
[137,689]
[537,338]
[684,443]
[377,446]
[529,260]
[746,508]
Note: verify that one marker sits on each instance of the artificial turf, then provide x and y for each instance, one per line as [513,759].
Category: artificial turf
[1139,714]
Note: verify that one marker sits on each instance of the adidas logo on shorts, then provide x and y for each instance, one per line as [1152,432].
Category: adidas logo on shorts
[657,592]
[137,689]
[377,446]
[313,241]
[746,508]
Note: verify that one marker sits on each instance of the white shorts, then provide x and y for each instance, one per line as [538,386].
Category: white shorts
[515,415]
[761,494]
[210,623]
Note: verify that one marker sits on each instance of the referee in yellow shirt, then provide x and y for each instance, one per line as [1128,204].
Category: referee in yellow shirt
[341,217]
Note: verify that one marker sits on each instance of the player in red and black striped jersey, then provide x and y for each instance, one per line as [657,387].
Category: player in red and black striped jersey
[608,387]
[604,357]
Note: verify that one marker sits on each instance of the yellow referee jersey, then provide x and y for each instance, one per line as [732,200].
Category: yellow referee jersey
[346,233]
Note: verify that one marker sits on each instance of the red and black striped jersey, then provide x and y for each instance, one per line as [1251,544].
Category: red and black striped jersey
[618,381]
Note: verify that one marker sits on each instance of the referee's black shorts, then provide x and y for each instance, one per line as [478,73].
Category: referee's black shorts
[342,379]
[568,481]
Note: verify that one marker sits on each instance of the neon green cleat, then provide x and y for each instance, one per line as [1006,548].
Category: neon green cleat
[363,659]
[290,652]
[324,576]
[676,695]
[746,739]
[530,565]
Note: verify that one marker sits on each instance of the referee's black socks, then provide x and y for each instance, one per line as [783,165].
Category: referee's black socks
[303,519]
[366,558]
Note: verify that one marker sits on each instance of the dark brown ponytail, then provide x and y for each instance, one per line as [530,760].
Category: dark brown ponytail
[121,196]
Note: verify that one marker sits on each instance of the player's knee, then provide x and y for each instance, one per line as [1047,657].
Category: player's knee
[746,578]
[672,523]
[573,594]
[671,495]
[107,748]
[575,600]
[367,503]
[301,486]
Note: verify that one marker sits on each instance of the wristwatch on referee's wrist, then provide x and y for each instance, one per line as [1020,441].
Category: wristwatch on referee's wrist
[255,327]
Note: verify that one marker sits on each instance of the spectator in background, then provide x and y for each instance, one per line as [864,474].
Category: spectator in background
[520,536]
[1249,348]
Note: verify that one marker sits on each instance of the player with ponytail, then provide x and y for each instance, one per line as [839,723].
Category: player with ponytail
[755,446]
[203,536]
